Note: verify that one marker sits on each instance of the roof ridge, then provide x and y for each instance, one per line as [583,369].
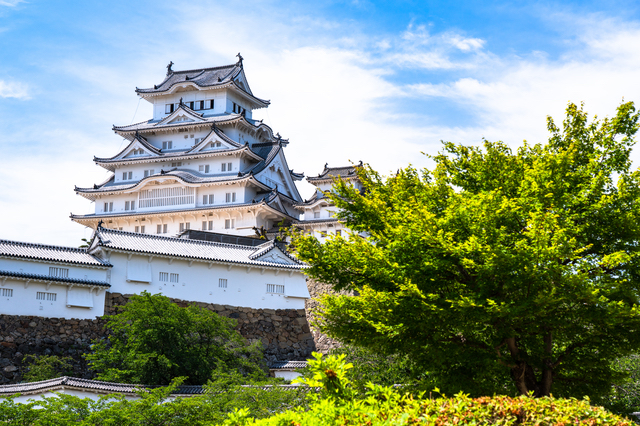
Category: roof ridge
[219,67]
[186,240]
[51,246]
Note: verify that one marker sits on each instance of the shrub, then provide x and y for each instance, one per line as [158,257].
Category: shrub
[46,367]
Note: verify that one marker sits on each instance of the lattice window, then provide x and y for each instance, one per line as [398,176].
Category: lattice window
[162,197]
[49,297]
[164,276]
[222,283]
[7,292]
[275,288]
[173,278]
[58,272]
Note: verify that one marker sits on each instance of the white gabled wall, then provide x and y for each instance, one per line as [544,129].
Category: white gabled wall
[246,287]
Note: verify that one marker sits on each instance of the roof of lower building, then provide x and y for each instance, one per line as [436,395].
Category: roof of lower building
[287,365]
[329,173]
[87,385]
[47,278]
[207,251]
[50,253]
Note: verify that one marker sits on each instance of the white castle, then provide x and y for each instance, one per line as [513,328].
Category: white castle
[180,213]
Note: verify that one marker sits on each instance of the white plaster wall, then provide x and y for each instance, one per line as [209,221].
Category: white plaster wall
[218,96]
[22,399]
[24,302]
[287,375]
[245,287]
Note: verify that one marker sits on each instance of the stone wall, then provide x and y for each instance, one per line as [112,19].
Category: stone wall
[284,333]
[323,343]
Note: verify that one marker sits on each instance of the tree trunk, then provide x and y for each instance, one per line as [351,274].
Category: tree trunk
[524,375]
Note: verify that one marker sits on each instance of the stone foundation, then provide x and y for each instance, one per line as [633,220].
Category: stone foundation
[323,342]
[284,333]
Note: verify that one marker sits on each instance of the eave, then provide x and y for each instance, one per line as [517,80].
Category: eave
[112,165]
[92,194]
[256,103]
[92,220]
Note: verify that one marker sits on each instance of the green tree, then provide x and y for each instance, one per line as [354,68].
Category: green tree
[46,367]
[153,341]
[496,271]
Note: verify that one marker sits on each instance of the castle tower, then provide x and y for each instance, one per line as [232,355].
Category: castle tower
[202,162]
[317,214]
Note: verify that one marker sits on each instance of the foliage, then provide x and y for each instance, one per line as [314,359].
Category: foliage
[153,341]
[329,374]
[497,271]
[386,405]
[625,397]
[46,367]
[154,407]
[386,370]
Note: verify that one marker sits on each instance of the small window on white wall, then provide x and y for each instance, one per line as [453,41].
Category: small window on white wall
[7,292]
[222,283]
[230,197]
[275,288]
[223,168]
[164,228]
[49,297]
[58,272]
[164,276]
[316,215]
[229,223]
[173,278]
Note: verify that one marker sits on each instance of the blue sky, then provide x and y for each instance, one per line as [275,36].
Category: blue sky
[348,80]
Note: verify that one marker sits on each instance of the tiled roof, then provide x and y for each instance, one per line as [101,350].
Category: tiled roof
[336,172]
[207,120]
[47,278]
[312,222]
[190,249]
[88,385]
[50,253]
[287,365]
[203,77]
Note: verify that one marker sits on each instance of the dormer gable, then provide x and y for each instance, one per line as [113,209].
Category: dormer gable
[271,252]
[182,114]
[241,81]
[137,149]
[215,140]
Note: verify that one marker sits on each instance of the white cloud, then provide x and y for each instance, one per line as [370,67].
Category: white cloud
[13,90]
[10,3]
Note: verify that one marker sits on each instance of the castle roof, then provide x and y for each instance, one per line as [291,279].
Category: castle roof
[206,251]
[185,176]
[49,253]
[330,173]
[206,78]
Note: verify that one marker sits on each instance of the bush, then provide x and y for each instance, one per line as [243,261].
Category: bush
[224,396]
[388,406]
[337,403]
[154,341]
[45,367]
